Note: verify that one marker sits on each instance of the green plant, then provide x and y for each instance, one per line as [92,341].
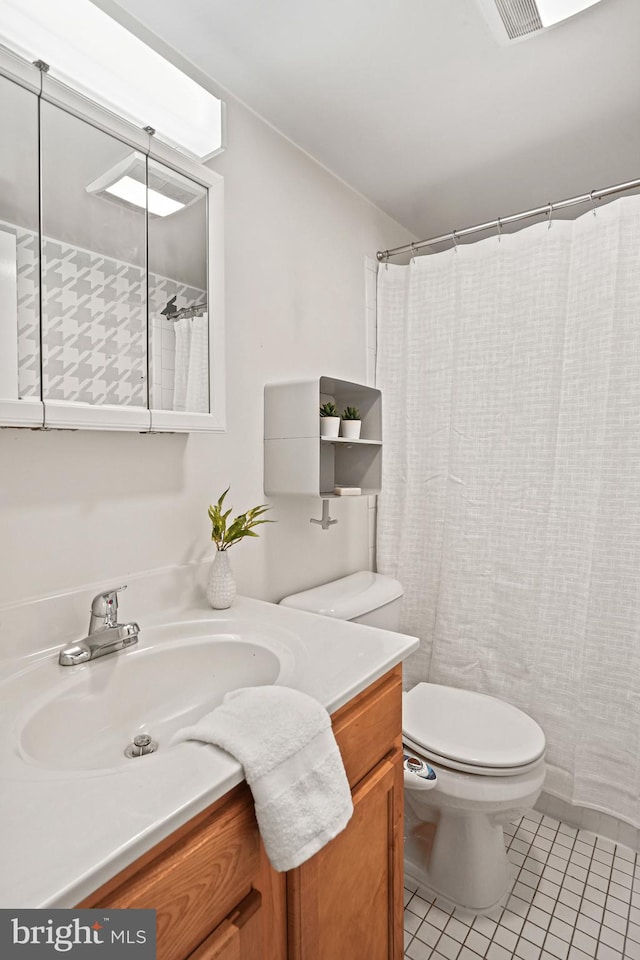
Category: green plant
[350,413]
[241,526]
[329,410]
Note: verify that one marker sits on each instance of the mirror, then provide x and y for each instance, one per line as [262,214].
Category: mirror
[114,240]
[178,308]
[94,296]
[19,256]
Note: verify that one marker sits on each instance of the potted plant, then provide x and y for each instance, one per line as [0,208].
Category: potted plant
[351,423]
[221,586]
[329,420]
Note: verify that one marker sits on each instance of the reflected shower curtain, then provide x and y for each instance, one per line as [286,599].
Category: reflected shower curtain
[510,505]
[191,385]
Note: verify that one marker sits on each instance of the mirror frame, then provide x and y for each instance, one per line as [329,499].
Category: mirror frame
[29,411]
[75,415]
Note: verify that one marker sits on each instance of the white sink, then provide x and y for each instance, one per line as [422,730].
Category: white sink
[83,717]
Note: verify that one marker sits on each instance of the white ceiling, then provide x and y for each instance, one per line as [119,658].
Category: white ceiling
[416,105]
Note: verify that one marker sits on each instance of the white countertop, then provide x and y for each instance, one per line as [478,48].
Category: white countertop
[63,833]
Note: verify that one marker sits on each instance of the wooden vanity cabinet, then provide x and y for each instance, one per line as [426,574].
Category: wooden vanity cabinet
[217,898]
[346,902]
[211,885]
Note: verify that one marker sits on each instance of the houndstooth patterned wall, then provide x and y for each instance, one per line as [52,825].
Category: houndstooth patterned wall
[94,334]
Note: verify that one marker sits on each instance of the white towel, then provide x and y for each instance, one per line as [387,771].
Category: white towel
[284,741]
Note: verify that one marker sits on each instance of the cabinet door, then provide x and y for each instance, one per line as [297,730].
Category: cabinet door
[347,900]
[239,936]
[195,882]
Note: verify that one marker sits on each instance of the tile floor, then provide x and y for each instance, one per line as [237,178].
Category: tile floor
[576,896]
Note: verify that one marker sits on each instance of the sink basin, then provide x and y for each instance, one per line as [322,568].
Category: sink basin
[87,715]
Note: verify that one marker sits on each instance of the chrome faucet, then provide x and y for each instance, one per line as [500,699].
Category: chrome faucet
[105,634]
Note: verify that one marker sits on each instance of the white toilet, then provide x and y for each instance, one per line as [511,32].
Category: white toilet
[488,759]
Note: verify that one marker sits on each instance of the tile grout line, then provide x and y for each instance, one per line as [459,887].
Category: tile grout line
[631,892]
[582,899]
[536,888]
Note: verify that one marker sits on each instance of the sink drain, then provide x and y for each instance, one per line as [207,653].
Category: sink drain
[141,746]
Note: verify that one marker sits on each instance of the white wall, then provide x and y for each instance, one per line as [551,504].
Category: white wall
[83,507]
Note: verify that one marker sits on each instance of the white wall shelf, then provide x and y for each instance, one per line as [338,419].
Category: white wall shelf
[297,461]
[348,442]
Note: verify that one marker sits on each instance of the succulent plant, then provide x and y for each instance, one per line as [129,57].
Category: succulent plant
[350,413]
[329,410]
[241,526]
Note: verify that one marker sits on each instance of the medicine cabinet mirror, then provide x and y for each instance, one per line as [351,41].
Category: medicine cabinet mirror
[110,269]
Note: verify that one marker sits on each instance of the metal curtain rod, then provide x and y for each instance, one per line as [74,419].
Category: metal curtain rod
[501,221]
[186,313]
[172,313]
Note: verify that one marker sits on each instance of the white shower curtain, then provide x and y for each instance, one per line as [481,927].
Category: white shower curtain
[510,505]
[191,385]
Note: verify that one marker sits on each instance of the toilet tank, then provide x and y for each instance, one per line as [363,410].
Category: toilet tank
[363,597]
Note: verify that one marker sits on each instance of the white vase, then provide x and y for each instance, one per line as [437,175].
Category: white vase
[351,429]
[221,587]
[329,426]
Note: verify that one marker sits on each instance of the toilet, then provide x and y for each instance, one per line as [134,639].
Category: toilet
[472,762]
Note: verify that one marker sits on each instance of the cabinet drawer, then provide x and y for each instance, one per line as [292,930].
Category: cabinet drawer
[239,935]
[370,726]
[196,880]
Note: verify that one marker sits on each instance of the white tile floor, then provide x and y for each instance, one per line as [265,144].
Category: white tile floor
[576,896]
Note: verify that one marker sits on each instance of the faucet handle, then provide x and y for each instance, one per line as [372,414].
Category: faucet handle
[104,607]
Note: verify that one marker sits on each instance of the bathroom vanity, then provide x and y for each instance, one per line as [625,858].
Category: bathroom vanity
[216,895]
[175,831]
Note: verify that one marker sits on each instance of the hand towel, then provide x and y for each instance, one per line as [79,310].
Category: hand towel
[284,741]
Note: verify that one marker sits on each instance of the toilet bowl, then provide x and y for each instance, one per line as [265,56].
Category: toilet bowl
[488,758]
[487,755]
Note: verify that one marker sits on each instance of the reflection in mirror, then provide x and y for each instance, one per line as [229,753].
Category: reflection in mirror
[19,266]
[94,342]
[178,312]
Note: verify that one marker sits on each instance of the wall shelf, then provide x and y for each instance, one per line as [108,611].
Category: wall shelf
[348,442]
[297,461]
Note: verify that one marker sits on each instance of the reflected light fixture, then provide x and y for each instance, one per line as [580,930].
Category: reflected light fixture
[155,188]
[93,53]
[132,191]
[522,18]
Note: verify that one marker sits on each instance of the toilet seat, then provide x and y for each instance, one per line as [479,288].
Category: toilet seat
[470,732]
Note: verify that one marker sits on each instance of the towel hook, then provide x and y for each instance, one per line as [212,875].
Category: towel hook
[549,212]
[593,203]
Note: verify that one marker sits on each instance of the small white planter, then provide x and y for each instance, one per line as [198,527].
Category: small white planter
[329,426]
[351,429]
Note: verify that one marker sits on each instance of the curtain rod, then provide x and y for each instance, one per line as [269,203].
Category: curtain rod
[548,209]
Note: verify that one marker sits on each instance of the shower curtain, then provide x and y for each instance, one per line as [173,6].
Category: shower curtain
[510,505]
[191,384]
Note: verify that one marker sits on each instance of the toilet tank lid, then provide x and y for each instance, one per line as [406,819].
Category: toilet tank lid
[348,597]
